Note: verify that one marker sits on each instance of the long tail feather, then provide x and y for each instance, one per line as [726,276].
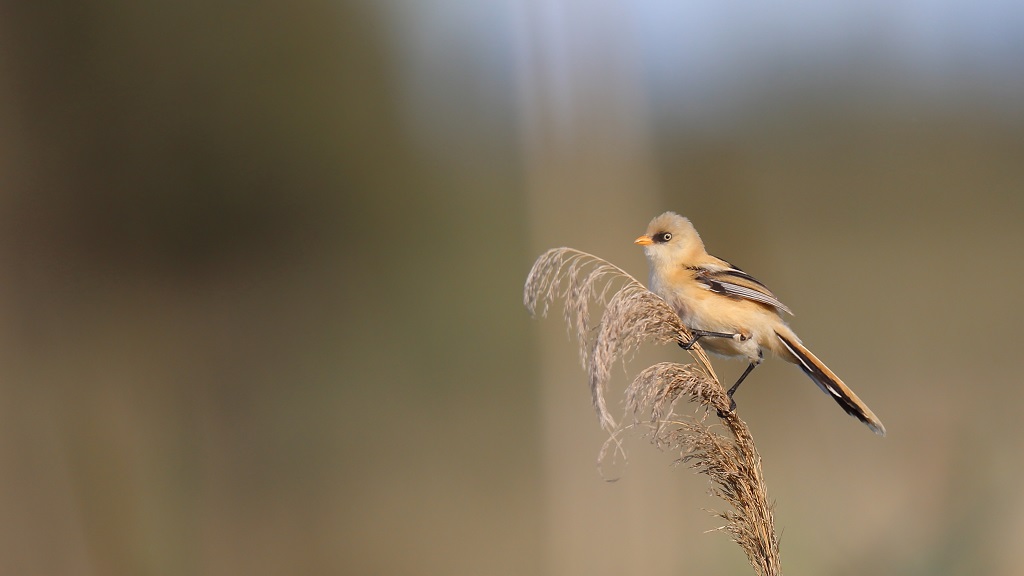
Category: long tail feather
[832,385]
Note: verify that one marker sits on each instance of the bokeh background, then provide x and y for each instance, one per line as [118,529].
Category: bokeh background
[262,263]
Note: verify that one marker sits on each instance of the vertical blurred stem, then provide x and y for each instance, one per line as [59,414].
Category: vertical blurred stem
[590,184]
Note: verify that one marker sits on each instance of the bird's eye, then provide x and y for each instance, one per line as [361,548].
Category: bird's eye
[664,236]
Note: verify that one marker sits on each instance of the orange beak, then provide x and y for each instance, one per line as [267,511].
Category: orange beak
[644,240]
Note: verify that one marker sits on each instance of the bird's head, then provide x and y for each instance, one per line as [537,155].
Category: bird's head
[670,240]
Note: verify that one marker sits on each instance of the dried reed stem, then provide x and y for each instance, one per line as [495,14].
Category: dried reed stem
[632,314]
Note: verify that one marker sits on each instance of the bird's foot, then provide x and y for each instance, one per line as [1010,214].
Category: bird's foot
[732,408]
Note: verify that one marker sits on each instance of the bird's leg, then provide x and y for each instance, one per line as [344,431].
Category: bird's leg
[732,403]
[698,334]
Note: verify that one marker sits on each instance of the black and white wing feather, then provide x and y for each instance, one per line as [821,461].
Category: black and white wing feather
[730,281]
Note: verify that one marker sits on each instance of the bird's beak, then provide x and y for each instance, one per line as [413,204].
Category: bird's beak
[644,240]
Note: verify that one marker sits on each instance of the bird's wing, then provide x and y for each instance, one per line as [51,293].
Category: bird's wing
[728,280]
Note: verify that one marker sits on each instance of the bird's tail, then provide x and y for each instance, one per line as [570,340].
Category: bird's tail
[831,384]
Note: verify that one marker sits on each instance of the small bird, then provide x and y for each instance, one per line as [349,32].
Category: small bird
[731,312]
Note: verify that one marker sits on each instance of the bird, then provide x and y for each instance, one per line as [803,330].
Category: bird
[730,312]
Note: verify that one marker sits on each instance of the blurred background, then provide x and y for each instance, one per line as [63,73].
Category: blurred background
[262,268]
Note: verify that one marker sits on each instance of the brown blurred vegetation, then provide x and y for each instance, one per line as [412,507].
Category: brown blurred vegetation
[251,323]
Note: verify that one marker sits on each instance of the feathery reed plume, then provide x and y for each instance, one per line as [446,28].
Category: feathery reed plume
[632,315]
[732,462]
